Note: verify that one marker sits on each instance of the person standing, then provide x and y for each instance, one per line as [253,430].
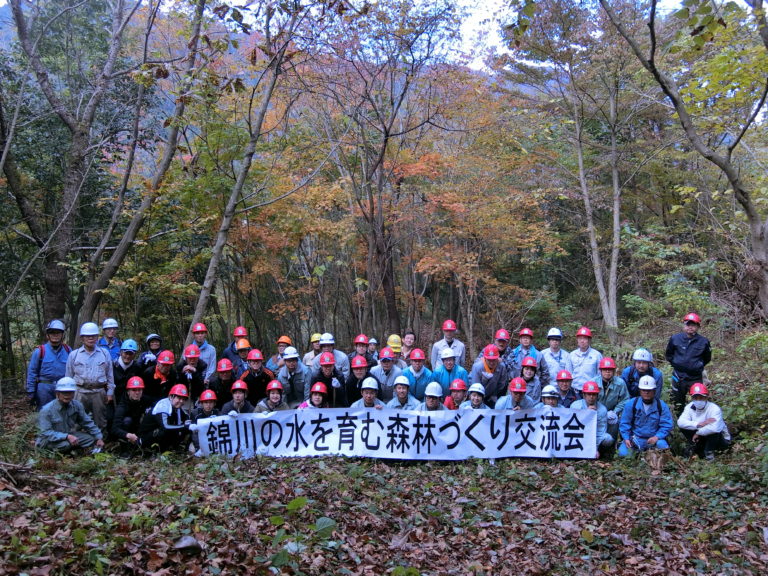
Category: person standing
[584,361]
[688,352]
[207,352]
[110,342]
[449,341]
[47,365]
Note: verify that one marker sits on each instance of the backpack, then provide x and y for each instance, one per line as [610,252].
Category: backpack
[634,407]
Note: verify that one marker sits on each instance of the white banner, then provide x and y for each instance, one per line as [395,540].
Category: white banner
[405,434]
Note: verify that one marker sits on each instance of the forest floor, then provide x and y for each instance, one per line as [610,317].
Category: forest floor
[100,514]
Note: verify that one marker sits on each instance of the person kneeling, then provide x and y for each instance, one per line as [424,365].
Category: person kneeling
[274,400]
[702,425]
[64,425]
[369,388]
[165,428]
[603,440]
[646,421]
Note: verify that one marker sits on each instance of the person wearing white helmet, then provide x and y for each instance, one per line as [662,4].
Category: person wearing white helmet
[646,421]
[554,356]
[327,344]
[91,367]
[63,423]
[476,398]
[432,398]
[110,342]
[294,376]
[403,399]
[449,371]
[549,397]
[47,365]
[369,388]
[154,343]
[373,348]
[703,426]
[642,365]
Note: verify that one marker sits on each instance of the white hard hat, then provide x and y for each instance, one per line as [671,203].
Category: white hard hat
[89,329]
[477,387]
[290,353]
[54,325]
[434,389]
[372,341]
[402,380]
[447,353]
[109,323]
[369,384]
[327,338]
[550,391]
[647,383]
[554,333]
[643,355]
[66,384]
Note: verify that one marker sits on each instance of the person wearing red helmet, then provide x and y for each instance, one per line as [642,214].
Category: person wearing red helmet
[222,380]
[318,397]
[613,394]
[166,427]
[457,394]
[583,362]
[359,372]
[207,352]
[160,377]
[230,352]
[275,399]
[418,375]
[333,379]
[206,408]
[128,414]
[702,425]
[361,349]
[239,403]
[688,352]
[386,372]
[449,340]
[604,440]
[257,376]
[192,370]
[491,373]
[529,373]
[524,350]
[517,398]
[566,394]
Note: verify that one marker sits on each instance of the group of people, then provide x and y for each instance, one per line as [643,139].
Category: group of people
[152,401]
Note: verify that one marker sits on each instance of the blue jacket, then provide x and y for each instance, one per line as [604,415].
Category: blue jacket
[636,422]
[114,349]
[50,369]
[410,404]
[418,385]
[444,378]
[631,377]
[467,405]
[688,356]
[602,417]
[508,403]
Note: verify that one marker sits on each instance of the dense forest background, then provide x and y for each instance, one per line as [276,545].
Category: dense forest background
[310,166]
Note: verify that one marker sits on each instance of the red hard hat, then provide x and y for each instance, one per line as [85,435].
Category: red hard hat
[240,332]
[359,362]
[584,331]
[564,375]
[192,351]
[199,327]
[319,387]
[491,352]
[166,357]
[327,359]
[417,354]
[449,325]
[284,340]
[274,385]
[590,388]
[529,362]
[386,352]
[179,390]
[224,365]
[361,339]
[502,334]
[526,332]
[692,317]
[135,383]
[518,385]
[239,385]
[607,364]
[458,384]
[255,354]
[208,395]
[699,388]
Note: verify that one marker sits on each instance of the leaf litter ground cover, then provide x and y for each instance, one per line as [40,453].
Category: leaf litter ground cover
[175,515]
